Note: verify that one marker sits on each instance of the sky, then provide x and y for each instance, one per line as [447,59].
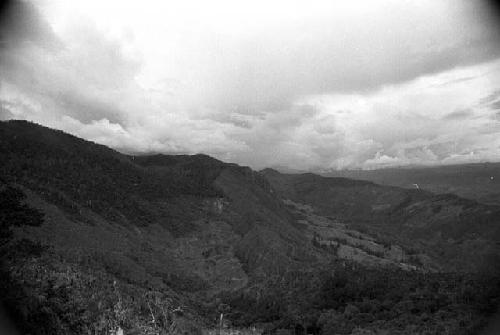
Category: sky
[306,85]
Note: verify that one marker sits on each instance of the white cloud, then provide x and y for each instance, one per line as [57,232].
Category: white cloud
[410,123]
[291,83]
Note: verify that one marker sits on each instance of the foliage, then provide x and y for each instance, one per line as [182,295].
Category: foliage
[14,212]
[122,189]
[346,296]
[48,295]
[291,288]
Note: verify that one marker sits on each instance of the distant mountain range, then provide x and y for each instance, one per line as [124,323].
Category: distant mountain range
[479,181]
[93,241]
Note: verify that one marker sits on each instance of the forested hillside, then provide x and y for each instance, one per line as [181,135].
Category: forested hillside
[457,233]
[94,241]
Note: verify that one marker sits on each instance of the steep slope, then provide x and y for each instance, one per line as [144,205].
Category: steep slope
[189,225]
[94,241]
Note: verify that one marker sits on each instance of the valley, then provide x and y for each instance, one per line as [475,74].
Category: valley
[349,244]
[96,241]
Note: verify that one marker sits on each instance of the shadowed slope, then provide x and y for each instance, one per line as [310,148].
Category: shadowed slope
[460,234]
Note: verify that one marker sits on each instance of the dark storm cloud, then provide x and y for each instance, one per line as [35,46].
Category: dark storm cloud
[490,98]
[87,108]
[235,119]
[459,114]
[458,80]
[76,78]
[495,105]
[359,54]
[5,110]
[20,21]
[275,87]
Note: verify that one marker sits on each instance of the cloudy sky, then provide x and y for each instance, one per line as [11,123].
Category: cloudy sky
[287,83]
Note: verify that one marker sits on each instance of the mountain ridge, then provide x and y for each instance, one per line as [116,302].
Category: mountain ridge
[478,181]
[132,239]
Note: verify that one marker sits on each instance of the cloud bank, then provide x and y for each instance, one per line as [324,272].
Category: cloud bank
[303,85]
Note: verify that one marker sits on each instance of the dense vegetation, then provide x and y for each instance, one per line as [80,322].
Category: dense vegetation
[78,175]
[344,298]
[14,212]
[45,292]
[459,233]
[92,241]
